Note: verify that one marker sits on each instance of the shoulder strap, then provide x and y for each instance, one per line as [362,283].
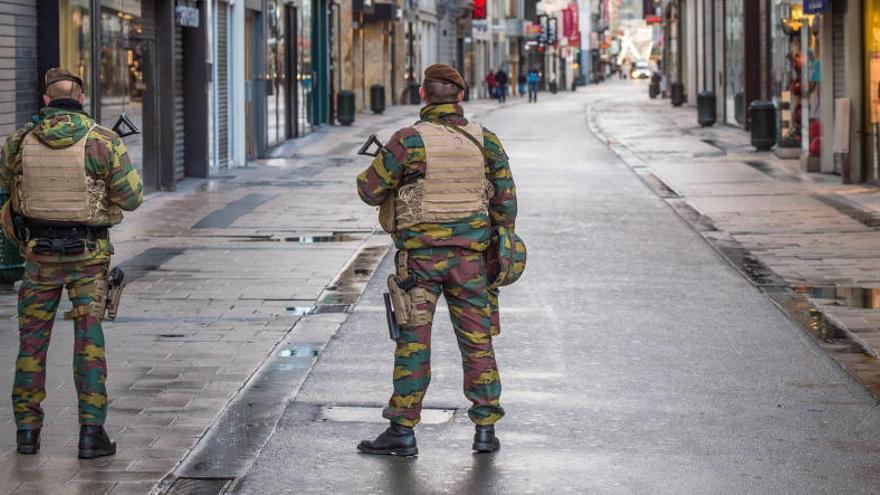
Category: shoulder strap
[492,157]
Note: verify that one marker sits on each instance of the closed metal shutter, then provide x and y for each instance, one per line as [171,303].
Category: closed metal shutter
[222,85]
[179,116]
[839,52]
[18,63]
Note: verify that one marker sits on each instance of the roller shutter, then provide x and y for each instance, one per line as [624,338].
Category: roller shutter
[179,115]
[839,52]
[222,84]
[18,63]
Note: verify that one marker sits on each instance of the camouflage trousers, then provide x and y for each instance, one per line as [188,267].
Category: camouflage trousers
[460,275]
[38,301]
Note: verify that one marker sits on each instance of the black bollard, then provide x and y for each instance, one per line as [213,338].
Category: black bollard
[677,94]
[377,98]
[706,114]
[763,124]
[345,107]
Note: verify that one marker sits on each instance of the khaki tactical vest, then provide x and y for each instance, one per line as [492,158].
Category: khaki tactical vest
[455,184]
[54,185]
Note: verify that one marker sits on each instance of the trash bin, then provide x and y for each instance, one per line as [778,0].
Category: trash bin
[554,87]
[345,107]
[414,98]
[11,260]
[377,98]
[706,114]
[762,115]
[677,94]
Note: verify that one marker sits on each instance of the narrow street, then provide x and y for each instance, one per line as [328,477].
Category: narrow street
[634,358]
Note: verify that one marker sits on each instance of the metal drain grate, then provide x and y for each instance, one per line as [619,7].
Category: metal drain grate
[331,308]
[199,486]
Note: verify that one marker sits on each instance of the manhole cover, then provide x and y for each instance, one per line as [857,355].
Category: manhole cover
[356,414]
[199,486]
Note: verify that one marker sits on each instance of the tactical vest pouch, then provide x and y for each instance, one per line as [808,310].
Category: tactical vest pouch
[67,247]
[387,214]
[97,291]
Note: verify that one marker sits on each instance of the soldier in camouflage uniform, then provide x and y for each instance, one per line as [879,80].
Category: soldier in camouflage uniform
[69,179]
[443,253]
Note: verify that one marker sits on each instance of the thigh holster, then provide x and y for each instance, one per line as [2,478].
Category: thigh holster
[407,296]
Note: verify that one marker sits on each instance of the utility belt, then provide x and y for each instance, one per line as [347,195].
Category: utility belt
[60,239]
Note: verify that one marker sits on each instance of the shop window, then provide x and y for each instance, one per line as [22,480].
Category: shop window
[75,41]
[872,88]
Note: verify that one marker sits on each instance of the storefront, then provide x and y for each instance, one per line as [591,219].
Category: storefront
[786,20]
[113,45]
[872,89]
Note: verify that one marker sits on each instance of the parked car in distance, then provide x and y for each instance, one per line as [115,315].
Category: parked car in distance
[640,70]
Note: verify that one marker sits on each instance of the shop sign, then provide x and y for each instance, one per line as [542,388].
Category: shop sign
[531,30]
[552,31]
[186,16]
[545,27]
[816,6]
[479,9]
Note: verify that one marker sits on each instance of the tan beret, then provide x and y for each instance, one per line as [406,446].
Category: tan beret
[443,72]
[57,74]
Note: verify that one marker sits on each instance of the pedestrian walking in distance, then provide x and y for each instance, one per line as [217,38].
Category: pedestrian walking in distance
[491,84]
[502,80]
[533,79]
[521,84]
[69,180]
[444,186]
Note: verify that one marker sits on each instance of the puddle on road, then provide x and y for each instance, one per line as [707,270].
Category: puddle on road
[365,414]
[771,171]
[350,284]
[303,350]
[303,239]
[852,297]
[299,310]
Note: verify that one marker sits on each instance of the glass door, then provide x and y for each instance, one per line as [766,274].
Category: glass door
[122,61]
[734,58]
[276,73]
[75,42]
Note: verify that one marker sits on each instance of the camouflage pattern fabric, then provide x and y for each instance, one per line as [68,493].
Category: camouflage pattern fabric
[402,161]
[38,300]
[106,160]
[460,275]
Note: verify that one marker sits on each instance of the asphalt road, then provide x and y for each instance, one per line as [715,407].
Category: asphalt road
[634,360]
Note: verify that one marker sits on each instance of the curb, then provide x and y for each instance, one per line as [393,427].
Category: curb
[844,346]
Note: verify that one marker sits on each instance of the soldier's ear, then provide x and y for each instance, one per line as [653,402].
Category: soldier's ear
[460,96]
[46,100]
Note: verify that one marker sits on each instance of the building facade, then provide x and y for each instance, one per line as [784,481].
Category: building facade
[814,59]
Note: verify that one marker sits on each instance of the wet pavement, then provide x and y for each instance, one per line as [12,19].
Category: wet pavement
[635,357]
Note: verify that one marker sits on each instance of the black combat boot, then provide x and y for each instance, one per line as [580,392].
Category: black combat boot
[485,440]
[94,442]
[396,440]
[28,441]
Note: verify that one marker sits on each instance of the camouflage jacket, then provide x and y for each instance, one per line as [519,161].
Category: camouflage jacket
[106,159]
[402,162]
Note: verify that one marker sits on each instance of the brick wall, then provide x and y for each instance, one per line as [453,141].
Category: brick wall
[18,63]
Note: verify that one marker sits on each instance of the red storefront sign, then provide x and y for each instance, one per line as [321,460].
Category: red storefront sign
[479,9]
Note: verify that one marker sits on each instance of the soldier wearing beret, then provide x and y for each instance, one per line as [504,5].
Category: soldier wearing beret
[447,185]
[69,179]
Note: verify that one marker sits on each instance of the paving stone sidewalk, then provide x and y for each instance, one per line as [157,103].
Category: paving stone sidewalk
[220,273]
[818,235]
